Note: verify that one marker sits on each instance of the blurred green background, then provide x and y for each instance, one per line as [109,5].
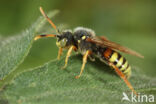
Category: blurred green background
[131,23]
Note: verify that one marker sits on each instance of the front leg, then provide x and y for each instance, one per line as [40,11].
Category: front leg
[84,62]
[68,55]
[59,53]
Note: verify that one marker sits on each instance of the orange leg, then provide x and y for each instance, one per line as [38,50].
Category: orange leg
[59,53]
[46,35]
[84,62]
[67,56]
[123,77]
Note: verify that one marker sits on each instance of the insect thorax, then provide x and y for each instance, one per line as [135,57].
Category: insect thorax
[79,32]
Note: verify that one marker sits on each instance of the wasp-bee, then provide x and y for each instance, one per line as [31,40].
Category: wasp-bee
[91,46]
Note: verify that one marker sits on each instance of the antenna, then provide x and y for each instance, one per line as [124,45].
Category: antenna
[49,20]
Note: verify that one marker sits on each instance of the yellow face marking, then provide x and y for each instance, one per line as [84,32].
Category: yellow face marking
[78,41]
[84,37]
[124,66]
[120,62]
[113,57]
[58,44]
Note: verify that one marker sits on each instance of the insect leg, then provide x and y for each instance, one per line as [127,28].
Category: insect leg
[67,56]
[123,77]
[45,35]
[59,53]
[84,62]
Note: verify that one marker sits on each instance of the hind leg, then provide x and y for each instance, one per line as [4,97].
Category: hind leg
[59,53]
[123,77]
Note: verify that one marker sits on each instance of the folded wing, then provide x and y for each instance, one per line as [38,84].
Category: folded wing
[103,41]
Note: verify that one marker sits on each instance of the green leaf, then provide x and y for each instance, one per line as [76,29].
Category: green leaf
[14,49]
[49,84]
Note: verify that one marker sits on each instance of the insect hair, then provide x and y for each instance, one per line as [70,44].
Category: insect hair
[92,33]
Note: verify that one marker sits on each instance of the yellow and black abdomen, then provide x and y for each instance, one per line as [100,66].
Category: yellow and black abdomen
[118,60]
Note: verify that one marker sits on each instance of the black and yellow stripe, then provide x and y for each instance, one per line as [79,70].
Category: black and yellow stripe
[118,60]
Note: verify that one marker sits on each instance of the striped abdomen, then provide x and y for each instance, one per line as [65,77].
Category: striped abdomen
[118,60]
